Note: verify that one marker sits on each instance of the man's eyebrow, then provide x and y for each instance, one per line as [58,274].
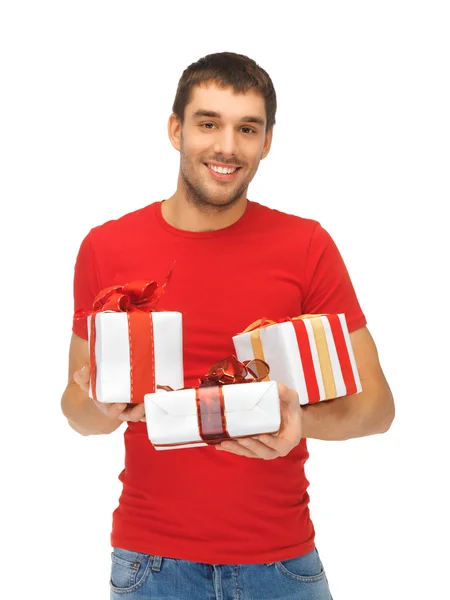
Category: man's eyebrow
[216,115]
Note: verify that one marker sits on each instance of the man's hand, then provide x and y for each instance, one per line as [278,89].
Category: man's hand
[273,446]
[123,411]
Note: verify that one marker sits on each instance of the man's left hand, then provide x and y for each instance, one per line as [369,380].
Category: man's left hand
[269,446]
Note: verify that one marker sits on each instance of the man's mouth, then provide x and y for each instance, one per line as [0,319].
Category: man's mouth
[222,173]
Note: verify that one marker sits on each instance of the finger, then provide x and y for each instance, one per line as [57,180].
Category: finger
[259,448]
[282,390]
[84,374]
[81,377]
[133,413]
[288,397]
[235,448]
[112,410]
[291,416]
[279,444]
[83,385]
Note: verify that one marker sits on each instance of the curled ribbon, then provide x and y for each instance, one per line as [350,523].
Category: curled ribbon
[138,295]
[230,370]
[260,323]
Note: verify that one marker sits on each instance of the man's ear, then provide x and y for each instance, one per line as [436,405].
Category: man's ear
[267,143]
[174,131]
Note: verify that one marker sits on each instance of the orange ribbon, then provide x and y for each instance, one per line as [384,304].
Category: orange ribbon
[138,299]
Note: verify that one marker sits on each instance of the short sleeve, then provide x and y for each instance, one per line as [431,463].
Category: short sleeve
[86,284]
[329,287]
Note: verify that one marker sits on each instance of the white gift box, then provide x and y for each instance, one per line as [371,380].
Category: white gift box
[250,409]
[112,354]
[311,354]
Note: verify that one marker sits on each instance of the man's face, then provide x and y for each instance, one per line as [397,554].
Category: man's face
[234,136]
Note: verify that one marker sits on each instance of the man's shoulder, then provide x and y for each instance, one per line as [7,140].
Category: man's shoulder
[123,227]
[122,230]
[279,219]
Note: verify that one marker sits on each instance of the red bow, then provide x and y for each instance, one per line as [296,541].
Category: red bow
[209,398]
[140,294]
[231,370]
[138,299]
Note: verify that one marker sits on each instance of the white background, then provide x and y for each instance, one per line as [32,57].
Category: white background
[361,144]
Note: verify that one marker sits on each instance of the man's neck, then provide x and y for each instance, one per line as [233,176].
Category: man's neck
[182,214]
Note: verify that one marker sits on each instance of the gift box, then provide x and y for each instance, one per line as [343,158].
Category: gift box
[132,347]
[311,354]
[217,410]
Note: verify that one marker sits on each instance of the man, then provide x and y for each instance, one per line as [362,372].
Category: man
[229,521]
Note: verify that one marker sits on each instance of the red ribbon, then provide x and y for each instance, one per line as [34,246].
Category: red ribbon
[212,424]
[138,299]
[231,370]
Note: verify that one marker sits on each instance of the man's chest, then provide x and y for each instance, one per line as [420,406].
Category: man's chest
[219,292]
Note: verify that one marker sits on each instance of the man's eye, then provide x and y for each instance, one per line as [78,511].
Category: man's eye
[205,125]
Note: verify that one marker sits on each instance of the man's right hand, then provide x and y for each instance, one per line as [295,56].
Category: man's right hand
[123,411]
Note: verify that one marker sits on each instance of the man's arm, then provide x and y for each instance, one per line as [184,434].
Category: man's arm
[369,412]
[76,404]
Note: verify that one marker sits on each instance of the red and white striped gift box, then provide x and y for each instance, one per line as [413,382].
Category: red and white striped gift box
[311,354]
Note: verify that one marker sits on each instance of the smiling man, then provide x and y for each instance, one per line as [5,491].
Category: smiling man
[220,151]
[230,521]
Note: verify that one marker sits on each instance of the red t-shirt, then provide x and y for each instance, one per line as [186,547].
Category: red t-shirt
[198,504]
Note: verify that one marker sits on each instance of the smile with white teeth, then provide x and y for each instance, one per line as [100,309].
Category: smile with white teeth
[222,169]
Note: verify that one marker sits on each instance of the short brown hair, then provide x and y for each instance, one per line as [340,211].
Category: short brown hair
[227,69]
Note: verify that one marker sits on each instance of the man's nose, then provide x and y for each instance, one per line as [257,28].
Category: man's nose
[226,143]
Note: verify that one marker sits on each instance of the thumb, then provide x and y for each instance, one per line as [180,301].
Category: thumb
[82,375]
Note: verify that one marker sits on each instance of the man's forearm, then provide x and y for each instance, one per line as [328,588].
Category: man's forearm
[82,414]
[347,417]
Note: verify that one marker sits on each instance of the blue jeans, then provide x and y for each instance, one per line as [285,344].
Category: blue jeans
[135,575]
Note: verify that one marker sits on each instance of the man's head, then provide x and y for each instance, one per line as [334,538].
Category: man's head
[223,113]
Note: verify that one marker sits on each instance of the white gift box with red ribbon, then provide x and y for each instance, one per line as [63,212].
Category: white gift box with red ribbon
[176,420]
[126,367]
